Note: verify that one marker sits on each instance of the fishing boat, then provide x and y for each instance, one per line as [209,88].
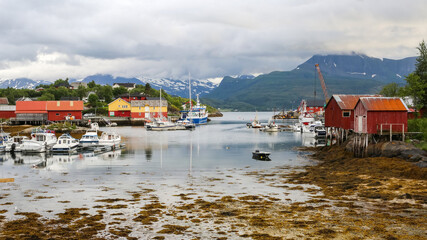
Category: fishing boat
[14,143]
[65,144]
[90,138]
[271,127]
[110,139]
[195,114]
[41,141]
[260,155]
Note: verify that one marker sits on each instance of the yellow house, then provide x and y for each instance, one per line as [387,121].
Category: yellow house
[119,108]
[148,108]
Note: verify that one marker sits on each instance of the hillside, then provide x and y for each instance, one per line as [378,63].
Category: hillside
[345,74]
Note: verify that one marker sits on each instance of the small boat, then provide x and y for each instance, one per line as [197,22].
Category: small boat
[90,138]
[14,143]
[161,125]
[4,138]
[271,127]
[110,139]
[185,124]
[65,144]
[320,132]
[41,141]
[264,156]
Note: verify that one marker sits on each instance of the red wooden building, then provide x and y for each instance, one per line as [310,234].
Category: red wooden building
[48,110]
[375,114]
[6,111]
[64,110]
[339,112]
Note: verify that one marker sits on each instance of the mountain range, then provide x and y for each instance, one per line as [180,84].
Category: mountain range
[344,74]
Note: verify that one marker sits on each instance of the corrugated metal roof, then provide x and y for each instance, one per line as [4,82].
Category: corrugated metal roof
[348,102]
[64,105]
[31,106]
[383,104]
[7,108]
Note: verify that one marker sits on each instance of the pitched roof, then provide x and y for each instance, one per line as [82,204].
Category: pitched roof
[64,105]
[4,101]
[31,106]
[132,95]
[348,102]
[383,104]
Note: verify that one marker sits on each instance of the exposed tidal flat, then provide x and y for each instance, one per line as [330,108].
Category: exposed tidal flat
[203,184]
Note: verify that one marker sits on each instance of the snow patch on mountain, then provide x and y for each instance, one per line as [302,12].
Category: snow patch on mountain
[21,83]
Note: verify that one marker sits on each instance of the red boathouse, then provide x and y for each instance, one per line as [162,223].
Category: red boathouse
[375,114]
[339,112]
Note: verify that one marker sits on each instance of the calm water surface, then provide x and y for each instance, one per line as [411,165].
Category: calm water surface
[168,162]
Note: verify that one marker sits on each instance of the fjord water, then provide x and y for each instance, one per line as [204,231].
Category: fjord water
[169,162]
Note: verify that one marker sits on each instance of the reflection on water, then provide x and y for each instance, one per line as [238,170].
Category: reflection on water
[166,161]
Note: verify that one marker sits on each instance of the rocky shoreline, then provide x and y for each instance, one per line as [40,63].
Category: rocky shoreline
[351,198]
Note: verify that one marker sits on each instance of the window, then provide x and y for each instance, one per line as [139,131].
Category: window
[57,114]
[346,113]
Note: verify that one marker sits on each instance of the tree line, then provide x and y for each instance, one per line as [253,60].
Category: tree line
[416,82]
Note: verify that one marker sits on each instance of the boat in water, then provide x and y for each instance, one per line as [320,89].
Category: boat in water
[90,138]
[260,155]
[14,143]
[161,123]
[196,114]
[110,139]
[65,144]
[41,141]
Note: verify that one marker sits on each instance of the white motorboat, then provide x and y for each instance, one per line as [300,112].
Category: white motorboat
[320,132]
[271,127]
[185,124]
[89,139]
[65,144]
[110,139]
[4,138]
[41,140]
[14,143]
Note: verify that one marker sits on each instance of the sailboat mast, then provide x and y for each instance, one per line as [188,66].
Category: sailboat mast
[189,89]
[160,104]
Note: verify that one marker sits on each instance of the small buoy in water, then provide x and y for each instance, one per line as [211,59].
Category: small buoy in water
[227,147]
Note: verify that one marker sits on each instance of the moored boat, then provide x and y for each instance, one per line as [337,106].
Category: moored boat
[110,139]
[41,141]
[65,144]
[89,139]
[260,155]
[14,143]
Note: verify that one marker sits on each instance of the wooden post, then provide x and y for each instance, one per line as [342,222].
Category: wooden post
[391,127]
[403,132]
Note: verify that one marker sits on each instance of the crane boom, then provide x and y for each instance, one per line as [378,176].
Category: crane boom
[322,82]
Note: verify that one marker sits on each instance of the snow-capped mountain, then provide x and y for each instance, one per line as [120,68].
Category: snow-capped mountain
[21,83]
[171,86]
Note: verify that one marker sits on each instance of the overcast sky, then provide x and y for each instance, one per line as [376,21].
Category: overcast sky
[47,40]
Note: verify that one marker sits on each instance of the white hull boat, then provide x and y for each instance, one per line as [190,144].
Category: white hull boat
[110,139]
[14,144]
[65,144]
[89,139]
[39,142]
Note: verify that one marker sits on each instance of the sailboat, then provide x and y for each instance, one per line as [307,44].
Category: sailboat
[160,123]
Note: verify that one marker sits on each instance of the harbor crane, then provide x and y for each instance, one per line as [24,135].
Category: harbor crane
[322,82]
